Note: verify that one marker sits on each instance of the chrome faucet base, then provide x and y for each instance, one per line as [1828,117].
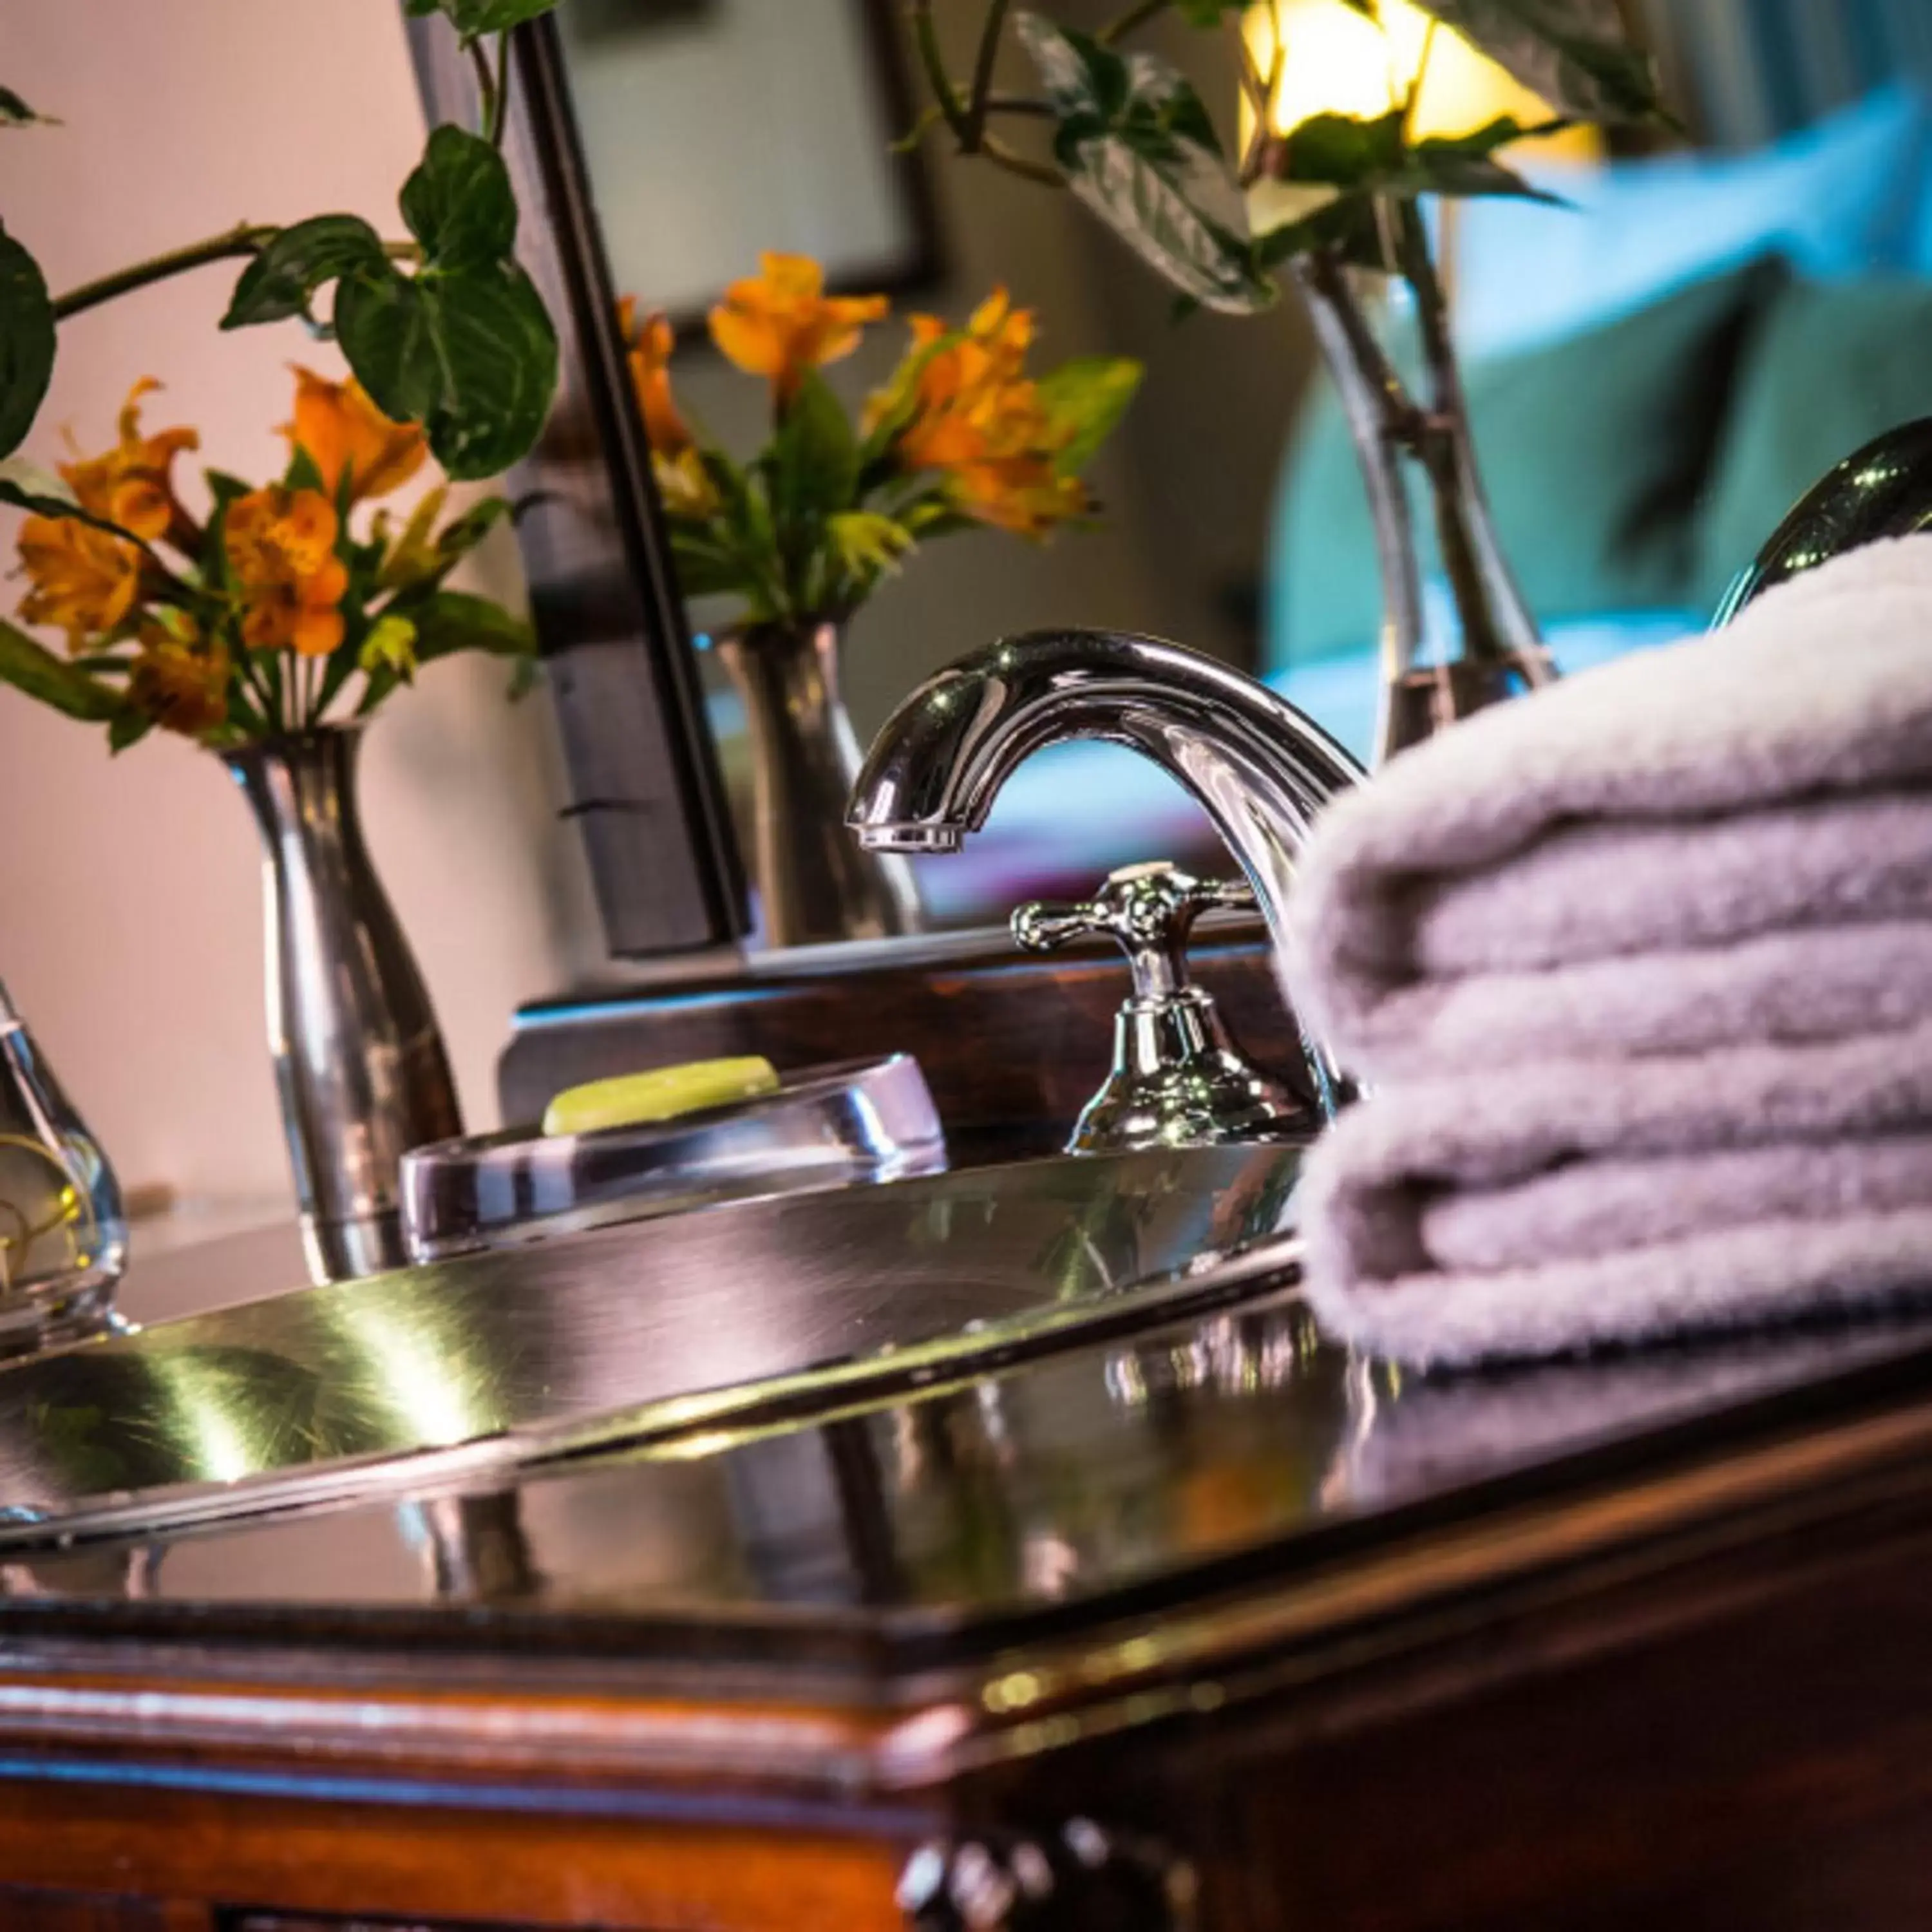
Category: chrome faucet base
[1178,1079]
[1261,769]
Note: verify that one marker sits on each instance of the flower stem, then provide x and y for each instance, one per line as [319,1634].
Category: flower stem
[958,114]
[244,239]
[499,119]
[982,70]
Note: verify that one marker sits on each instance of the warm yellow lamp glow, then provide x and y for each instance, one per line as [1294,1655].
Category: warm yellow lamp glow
[1339,61]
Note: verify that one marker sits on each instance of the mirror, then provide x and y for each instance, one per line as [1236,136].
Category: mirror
[1655,370]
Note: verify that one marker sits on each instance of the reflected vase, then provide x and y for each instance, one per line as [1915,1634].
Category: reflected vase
[63,1230]
[1418,464]
[815,883]
[360,1067]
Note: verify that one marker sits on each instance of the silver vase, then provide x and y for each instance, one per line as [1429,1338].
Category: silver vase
[815,883]
[1500,652]
[359,1063]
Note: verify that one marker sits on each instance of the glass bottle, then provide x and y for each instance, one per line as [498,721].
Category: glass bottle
[63,1232]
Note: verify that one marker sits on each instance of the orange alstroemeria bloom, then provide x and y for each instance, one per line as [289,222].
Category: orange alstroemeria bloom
[85,581]
[281,547]
[179,682]
[978,421]
[780,322]
[648,350]
[344,432]
[133,484]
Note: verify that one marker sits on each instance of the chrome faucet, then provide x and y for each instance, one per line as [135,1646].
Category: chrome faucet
[1882,489]
[1261,769]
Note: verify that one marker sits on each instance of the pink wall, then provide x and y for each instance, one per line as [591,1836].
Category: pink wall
[130,919]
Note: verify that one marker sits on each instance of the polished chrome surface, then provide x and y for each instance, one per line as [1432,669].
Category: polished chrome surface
[866,1121]
[63,1233]
[1884,490]
[814,884]
[1261,769]
[359,1063]
[1177,1078]
[653,1329]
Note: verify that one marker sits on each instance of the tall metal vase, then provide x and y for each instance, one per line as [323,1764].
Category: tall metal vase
[1498,652]
[815,883]
[359,1062]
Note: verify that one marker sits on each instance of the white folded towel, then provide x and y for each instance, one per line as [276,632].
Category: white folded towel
[1640,971]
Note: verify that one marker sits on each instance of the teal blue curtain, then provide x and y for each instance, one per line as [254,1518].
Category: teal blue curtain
[1754,70]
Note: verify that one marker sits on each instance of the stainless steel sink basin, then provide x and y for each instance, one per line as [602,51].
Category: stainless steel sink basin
[795,1305]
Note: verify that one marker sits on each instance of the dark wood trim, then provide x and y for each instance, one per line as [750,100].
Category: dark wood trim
[646,788]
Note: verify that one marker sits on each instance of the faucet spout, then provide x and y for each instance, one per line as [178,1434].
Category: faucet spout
[1261,769]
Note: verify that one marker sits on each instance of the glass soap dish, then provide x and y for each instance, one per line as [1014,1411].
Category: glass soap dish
[832,1126]
[63,1232]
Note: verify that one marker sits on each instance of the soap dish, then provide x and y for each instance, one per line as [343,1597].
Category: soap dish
[833,1127]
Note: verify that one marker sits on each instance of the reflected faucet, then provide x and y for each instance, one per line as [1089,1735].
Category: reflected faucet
[1261,769]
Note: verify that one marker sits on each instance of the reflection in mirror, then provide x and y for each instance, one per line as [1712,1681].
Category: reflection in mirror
[1655,369]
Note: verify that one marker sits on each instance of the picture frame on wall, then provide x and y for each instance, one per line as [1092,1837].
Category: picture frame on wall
[713,129]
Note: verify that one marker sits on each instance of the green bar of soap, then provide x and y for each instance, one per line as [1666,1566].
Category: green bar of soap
[631,1099]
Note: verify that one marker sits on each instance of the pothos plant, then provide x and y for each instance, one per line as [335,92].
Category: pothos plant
[441,326]
[1131,136]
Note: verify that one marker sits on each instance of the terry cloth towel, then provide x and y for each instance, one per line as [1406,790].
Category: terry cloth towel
[1640,972]
[1776,773]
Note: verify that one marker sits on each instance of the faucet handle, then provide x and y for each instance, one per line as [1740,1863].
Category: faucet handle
[1178,1079]
[1148,910]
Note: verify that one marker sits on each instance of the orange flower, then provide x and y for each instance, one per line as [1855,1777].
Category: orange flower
[181,683]
[281,547]
[85,581]
[132,485]
[648,351]
[976,419]
[344,432]
[780,322]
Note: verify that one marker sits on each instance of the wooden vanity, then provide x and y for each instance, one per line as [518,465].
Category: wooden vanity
[1213,1625]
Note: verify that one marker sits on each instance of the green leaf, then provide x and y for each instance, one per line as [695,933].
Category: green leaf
[469,354]
[304,472]
[815,457]
[1464,166]
[31,667]
[14,112]
[1087,396]
[703,569]
[458,202]
[283,279]
[26,342]
[1343,149]
[465,347]
[390,647]
[461,534]
[453,620]
[473,18]
[127,727]
[866,545]
[1137,146]
[28,488]
[1373,156]
[1575,53]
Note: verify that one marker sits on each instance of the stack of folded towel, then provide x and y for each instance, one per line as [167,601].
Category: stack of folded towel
[1638,973]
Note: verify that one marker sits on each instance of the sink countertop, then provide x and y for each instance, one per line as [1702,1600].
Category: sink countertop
[1135,1527]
